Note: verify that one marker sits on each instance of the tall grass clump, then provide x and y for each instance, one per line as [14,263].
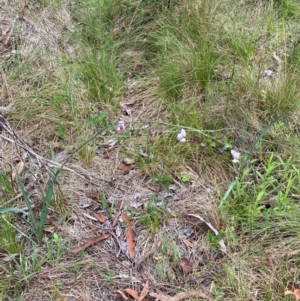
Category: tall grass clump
[261,232]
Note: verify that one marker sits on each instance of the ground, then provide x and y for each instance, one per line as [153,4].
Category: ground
[149,148]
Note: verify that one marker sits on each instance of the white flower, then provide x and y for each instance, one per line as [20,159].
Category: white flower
[120,127]
[181,136]
[267,73]
[235,155]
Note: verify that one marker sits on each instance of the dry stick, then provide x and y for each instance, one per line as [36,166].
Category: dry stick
[117,215]
[50,163]
[11,30]
[11,200]
[150,252]
[122,294]
[119,244]
[7,128]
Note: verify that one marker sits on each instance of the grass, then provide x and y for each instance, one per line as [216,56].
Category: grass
[71,71]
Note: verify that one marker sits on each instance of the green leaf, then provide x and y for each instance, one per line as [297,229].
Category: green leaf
[184,177]
[61,131]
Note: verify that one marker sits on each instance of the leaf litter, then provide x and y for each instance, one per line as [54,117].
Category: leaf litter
[134,294]
[144,292]
[129,236]
[186,266]
[295,293]
[181,296]
[77,229]
[100,217]
[90,243]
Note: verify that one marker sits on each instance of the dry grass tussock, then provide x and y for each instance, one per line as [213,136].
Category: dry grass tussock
[34,42]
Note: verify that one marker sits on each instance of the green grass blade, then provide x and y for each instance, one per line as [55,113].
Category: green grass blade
[16,212]
[33,226]
[11,210]
[226,194]
[46,203]
[266,129]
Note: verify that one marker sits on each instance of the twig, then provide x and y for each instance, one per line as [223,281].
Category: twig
[117,215]
[150,252]
[11,200]
[49,162]
[11,30]
[122,295]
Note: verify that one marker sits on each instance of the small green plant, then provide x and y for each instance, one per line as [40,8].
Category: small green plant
[109,276]
[8,239]
[152,215]
[27,266]
[62,131]
[105,206]
[35,224]
[170,248]
[103,201]
[170,257]
[162,180]
[99,120]
[213,240]
[55,248]
[6,189]
[184,177]
[218,295]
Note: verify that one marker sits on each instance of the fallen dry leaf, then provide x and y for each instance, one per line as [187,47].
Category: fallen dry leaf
[100,217]
[144,292]
[89,216]
[130,242]
[133,293]
[295,293]
[186,266]
[126,219]
[152,188]
[129,236]
[181,296]
[90,242]
[49,229]
[268,203]
[123,168]
[18,170]
[188,243]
